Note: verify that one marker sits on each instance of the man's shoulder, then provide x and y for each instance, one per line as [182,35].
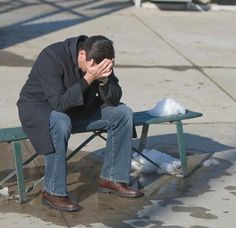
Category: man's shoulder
[55,47]
[53,51]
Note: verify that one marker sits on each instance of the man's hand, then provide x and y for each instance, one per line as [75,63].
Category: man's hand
[98,71]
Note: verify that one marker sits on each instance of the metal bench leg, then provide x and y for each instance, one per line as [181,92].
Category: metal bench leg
[80,147]
[182,152]
[19,171]
[143,138]
[142,144]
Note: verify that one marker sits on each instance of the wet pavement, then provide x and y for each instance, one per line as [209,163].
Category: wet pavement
[165,196]
[186,55]
[99,208]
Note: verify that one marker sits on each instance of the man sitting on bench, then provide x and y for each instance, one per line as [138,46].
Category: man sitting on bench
[72,88]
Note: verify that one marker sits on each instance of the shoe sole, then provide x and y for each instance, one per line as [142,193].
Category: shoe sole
[46,203]
[107,191]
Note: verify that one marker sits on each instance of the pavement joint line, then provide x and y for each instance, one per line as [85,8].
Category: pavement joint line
[187,59]
[218,67]
[62,215]
[172,67]
[163,39]
[214,82]
[205,123]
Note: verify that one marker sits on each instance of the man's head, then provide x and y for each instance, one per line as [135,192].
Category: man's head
[95,48]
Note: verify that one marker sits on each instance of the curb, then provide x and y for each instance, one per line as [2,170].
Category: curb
[188,6]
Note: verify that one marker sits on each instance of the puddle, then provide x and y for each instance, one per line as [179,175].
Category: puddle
[199,227]
[167,202]
[230,188]
[197,212]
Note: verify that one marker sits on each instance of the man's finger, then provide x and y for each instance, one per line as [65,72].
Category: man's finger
[108,68]
[90,63]
[107,74]
[106,64]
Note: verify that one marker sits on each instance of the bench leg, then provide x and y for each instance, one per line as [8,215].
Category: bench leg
[80,147]
[19,171]
[142,144]
[143,138]
[182,152]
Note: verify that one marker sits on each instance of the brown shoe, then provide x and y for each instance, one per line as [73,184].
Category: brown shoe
[60,203]
[117,188]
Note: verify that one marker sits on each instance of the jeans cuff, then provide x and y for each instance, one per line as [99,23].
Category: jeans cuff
[115,180]
[55,194]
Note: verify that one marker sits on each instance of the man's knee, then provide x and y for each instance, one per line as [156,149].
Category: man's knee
[124,113]
[60,122]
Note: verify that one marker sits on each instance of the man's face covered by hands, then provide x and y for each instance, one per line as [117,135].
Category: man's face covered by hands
[98,70]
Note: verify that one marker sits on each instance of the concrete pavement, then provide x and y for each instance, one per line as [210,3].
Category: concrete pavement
[188,56]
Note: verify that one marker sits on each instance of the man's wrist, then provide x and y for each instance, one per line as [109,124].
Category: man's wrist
[89,78]
[103,81]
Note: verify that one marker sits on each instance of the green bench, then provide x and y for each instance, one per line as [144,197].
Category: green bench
[16,135]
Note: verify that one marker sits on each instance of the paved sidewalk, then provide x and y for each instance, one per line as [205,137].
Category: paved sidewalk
[186,55]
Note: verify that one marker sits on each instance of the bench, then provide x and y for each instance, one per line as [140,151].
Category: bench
[16,135]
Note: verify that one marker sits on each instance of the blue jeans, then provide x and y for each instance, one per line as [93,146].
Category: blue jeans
[116,121]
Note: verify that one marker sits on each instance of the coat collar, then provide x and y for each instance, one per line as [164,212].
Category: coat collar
[73,46]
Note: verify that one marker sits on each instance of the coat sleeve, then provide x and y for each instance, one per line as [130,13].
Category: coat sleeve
[51,74]
[111,92]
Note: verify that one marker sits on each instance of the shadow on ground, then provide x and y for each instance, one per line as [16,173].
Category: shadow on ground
[194,143]
[224,2]
[194,5]
[50,16]
[110,210]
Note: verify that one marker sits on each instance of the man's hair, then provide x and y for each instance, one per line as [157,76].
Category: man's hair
[98,48]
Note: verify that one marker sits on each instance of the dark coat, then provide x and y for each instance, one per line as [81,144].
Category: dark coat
[55,83]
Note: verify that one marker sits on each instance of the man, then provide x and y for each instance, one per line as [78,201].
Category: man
[72,88]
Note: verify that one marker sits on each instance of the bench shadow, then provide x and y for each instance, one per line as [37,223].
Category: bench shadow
[193,143]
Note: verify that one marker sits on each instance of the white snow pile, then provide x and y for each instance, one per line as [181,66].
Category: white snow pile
[211,161]
[166,107]
[4,192]
[166,163]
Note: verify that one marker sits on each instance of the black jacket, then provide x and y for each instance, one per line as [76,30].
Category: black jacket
[56,83]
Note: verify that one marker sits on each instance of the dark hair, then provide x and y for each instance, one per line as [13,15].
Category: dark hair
[98,48]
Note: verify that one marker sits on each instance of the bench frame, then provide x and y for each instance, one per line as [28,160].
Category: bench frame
[16,135]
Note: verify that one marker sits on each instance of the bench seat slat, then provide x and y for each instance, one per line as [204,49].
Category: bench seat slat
[12,134]
[143,117]
[140,118]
